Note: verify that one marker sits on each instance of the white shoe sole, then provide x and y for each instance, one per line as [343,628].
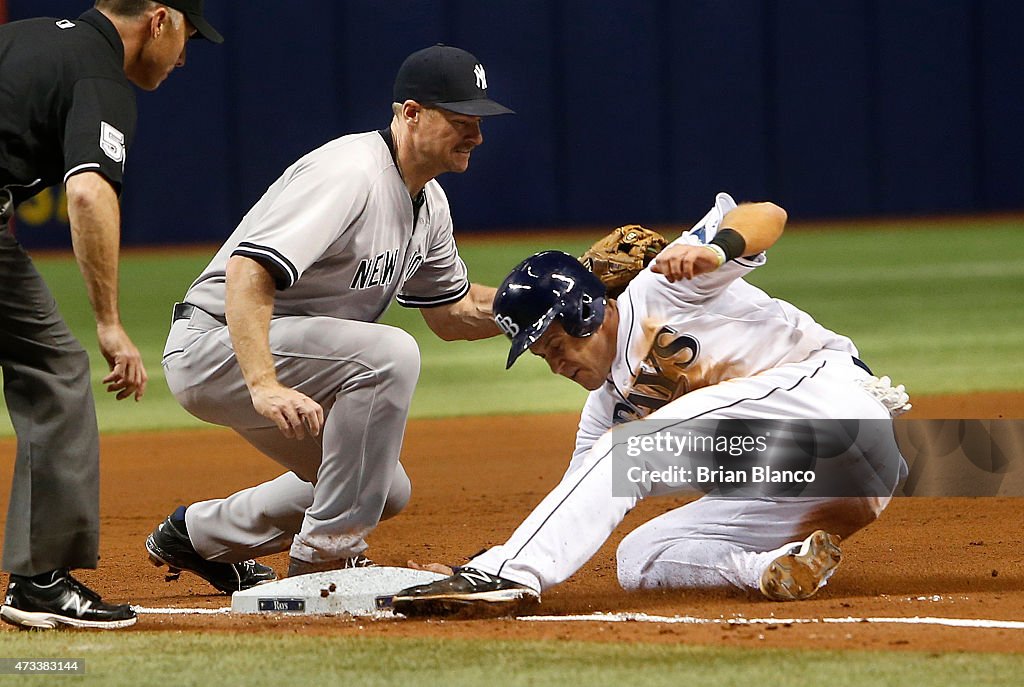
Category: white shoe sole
[798,576]
[48,621]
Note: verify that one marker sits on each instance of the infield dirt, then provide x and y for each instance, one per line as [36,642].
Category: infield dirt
[474,479]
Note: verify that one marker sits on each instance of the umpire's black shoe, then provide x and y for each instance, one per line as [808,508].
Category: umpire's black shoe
[469,593]
[56,598]
[169,546]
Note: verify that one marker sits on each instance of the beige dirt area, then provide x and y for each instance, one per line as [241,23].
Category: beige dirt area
[474,479]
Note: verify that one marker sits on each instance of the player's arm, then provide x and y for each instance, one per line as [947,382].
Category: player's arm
[95,219]
[249,305]
[468,318]
[748,229]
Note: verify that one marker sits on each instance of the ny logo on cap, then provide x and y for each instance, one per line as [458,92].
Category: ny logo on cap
[481,77]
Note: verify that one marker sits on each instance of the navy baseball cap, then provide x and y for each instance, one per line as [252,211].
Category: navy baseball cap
[193,9]
[446,77]
[547,286]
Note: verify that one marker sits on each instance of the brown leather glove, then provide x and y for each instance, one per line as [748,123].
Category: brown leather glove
[619,256]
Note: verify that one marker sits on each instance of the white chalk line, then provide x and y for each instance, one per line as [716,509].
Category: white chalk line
[979,623]
[142,610]
[692,620]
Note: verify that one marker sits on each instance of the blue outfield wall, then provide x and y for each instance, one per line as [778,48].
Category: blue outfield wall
[628,111]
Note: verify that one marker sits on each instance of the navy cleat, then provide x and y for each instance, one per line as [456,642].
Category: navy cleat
[168,545]
[469,593]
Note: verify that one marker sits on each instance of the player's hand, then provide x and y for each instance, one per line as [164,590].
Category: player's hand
[292,411]
[682,261]
[127,373]
[439,568]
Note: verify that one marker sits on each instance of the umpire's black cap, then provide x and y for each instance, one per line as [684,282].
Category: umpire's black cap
[446,77]
[193,9]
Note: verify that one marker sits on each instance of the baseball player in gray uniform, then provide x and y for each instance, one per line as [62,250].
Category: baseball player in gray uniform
[688,340]
[278,337]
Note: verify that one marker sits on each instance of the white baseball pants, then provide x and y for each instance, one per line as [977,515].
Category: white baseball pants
[713,541]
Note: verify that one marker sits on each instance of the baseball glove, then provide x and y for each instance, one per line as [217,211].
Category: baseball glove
[619,256]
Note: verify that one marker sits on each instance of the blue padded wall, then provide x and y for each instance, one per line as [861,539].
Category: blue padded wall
[628,110]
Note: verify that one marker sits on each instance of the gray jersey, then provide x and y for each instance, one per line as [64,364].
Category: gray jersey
[342,238]
[336,231]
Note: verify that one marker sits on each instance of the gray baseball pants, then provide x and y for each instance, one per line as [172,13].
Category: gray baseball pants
[340,484]
[53,515]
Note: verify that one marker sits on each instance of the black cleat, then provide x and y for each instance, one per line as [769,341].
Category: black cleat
[43,603]
[470,593]
[169,546]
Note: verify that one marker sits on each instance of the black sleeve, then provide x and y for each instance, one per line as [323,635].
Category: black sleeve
[99,129]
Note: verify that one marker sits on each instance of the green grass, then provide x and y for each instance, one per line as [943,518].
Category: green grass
[939,310]
[284,659]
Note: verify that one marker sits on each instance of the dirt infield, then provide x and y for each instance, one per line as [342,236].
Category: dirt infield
[476,478]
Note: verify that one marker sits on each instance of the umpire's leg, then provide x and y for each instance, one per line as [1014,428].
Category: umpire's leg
[53,517]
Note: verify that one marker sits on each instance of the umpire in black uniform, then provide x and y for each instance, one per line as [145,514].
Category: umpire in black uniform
[67,115]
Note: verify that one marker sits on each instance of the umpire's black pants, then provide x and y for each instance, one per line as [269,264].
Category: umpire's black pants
[53,517]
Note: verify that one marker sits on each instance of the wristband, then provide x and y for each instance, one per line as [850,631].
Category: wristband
[717,250]
[731,242]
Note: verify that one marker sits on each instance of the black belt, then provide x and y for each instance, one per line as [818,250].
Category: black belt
[182,311]
[862,365]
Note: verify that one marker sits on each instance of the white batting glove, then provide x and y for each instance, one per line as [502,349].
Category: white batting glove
[894,398]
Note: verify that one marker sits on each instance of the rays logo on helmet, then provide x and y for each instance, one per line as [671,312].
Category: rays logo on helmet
[506,325]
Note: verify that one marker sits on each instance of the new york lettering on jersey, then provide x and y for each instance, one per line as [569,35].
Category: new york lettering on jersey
[376,271]
[382,269]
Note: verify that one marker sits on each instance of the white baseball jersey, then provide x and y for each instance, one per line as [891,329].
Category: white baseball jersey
[337,232]
[713,346]
[678,337]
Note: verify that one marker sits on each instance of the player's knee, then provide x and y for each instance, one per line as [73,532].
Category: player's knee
[632,558]
[398,494]
[643,553]
[402,354]
[629,567]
